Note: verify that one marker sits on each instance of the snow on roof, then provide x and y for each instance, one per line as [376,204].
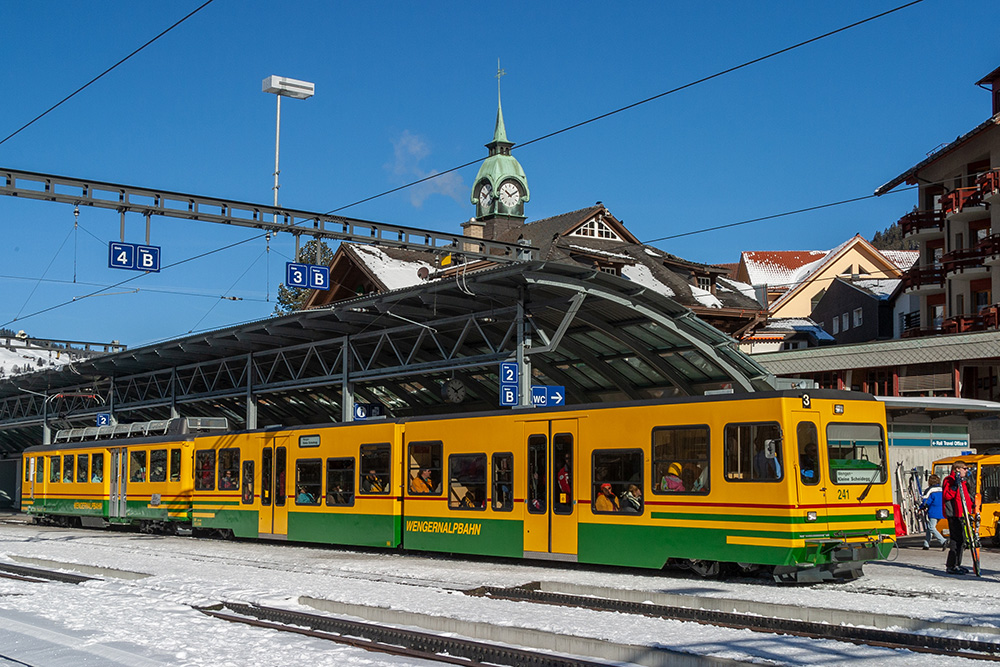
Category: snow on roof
[883,288]
[600,252]
[730,285]
[777,267]
[640,274]
[796,324]
[705,298]
[394,273]
[902,259]
[650,252]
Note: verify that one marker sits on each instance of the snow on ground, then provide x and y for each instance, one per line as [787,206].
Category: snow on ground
[19,360]
[148,621]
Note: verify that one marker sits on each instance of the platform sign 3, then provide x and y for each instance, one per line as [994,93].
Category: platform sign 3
[296,275]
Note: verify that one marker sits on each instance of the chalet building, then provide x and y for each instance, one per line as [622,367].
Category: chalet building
[591,237]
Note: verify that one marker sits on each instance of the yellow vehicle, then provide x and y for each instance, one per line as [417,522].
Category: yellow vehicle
[792,482]
[984,485]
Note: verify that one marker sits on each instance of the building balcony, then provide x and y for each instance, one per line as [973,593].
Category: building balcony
[924,280]
[963,204]
[969,263]
[989,185]
[922,225]
[986,319]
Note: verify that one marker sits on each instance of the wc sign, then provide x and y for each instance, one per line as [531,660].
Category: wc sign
[133,257]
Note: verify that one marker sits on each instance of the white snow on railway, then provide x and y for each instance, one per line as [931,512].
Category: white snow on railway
[149,621]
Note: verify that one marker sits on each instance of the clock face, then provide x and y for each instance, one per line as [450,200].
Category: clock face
[509,194]
[453,391]
[486,196]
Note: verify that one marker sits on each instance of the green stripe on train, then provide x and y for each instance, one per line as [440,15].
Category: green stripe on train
[651,546]
[761,518]
[474,534]
[366,530]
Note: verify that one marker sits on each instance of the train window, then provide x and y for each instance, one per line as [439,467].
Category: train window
[81,467]
[340,481]
[247,483]
[308,441]
[537,475]
[40,469]
[753,453]
[856,453]
[990,483]
[680,459]
[425,468]
[503,482]
[68,468]
[808,440]
[204,466]
[376,468]
[617,481]
[467,481]
[158,465]
[28,462]
[562,468]
[175,465]
[229,469]
[266,474]
[308,481]
[280,465]
[96,468]
[137,466]
[54,468]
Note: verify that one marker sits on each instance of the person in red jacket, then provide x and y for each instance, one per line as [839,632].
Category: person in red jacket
[954,511]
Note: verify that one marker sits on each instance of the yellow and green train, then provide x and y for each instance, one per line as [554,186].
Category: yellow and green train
[791,481]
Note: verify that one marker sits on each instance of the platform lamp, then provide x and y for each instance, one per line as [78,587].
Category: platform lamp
[284,87]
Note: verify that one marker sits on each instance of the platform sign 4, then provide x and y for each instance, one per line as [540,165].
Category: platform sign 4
[296,275]
[319,277]
[121,255]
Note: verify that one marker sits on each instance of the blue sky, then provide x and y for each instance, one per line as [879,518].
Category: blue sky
[406,89]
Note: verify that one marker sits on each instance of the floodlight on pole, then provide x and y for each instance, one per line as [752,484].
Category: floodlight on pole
[282,86]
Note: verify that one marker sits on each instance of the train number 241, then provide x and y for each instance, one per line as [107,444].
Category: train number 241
[843,494]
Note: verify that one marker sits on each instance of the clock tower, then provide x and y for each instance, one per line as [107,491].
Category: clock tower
[500,188]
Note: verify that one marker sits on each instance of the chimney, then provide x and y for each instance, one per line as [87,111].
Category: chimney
[474,230]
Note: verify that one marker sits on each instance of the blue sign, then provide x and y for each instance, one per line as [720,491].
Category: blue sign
[297,275]
[367,411]
[319,277]
[121,255]
[543,396]
[508,395]
[147,258]
[103,418]
[133,257]
[508,372]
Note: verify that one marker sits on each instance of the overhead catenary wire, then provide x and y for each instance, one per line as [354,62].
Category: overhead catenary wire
[633,105]
[99,76]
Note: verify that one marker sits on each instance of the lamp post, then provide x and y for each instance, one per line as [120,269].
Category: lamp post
[284,87]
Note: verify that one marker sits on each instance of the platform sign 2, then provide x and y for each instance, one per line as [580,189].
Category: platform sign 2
[508,383]
[103,419]
[133,257]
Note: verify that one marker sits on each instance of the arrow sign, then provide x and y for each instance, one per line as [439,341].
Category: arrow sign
[557,395]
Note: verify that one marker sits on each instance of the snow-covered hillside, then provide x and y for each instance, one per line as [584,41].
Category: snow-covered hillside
[21,360]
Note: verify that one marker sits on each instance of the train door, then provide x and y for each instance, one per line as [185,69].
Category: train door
[118,477]
[550,516]
[811,480]
[272,520]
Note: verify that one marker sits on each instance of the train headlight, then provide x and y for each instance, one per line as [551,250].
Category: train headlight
[882,514]
[811,516]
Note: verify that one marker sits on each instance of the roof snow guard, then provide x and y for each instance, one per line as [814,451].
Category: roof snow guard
[601,337]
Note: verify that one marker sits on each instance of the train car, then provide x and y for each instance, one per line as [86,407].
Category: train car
[984,484]
[792,482]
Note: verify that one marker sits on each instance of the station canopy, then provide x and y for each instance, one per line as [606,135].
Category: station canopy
[603,338]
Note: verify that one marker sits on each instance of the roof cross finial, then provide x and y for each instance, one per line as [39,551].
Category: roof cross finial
[500,73]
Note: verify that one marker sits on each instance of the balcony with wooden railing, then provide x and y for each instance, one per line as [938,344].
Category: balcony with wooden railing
[922,223]
[989,184]
[963,203]
[925,279]
[969,261]
[986,319]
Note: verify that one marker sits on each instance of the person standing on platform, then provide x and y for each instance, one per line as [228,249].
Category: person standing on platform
[954,511]
[932,505]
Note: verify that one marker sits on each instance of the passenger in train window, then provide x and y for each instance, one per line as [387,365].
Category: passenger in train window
[606,500]
[422,482]
[809,463]
[304,498]
[672,481]
[97,468]
[371,483]
[227,482]
[766,461]
[632,500]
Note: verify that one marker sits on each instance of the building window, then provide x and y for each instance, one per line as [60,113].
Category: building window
[845,322]
[609,269]
[705,283]
[816,299]
[836,324]
[857,317]
[598,229]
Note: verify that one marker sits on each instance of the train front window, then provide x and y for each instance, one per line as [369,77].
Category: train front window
[990,483]
[808,441]
[856,453]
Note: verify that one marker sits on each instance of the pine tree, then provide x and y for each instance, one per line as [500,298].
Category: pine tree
[291,299]
[892,239]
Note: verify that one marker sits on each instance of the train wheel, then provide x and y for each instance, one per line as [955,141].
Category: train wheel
[705,568]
